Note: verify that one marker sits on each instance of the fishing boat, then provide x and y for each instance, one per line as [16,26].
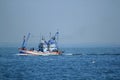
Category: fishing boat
[45,48]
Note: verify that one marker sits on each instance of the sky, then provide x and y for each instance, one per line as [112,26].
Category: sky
[78,21]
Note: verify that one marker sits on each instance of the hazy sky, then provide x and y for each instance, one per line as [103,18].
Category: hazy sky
[79,21]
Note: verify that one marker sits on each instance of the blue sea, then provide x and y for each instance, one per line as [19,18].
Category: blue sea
[98,63]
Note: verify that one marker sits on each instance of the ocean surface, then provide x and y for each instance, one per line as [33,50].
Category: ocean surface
[100,63]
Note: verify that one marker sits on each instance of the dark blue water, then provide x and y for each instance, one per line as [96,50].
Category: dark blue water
[74,64]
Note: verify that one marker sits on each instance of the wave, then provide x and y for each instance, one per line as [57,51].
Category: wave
[69,54]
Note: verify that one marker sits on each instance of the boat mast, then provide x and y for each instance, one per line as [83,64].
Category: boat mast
[50,35]
[25,40]
[28,36]
[23,43]
[57,36]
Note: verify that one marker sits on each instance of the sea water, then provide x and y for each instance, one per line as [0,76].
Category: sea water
[102,63]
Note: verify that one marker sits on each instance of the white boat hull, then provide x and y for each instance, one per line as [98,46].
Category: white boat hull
[27,52]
